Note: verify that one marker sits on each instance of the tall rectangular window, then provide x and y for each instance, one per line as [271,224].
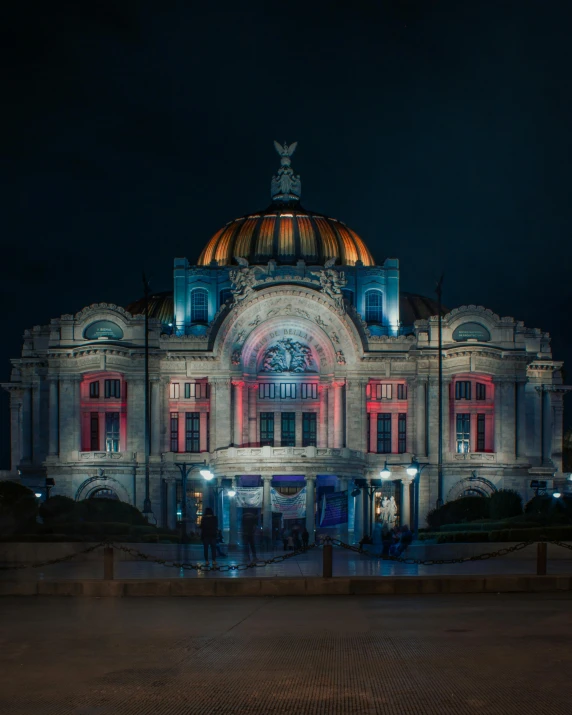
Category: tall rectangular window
[463,390]
[309,429]
[94,389]
[94,432]
[481,390]
[481,444]
[463,432]
[402,392]
[199,305]
[174,423]
[113,388]
[112,431]
[373,306]
[174,391]
[225,294]
[267,429]
[288,436]
[402,433]
[192,432]
[384,434]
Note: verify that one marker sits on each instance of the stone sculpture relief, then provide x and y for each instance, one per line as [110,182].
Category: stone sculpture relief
[288,355]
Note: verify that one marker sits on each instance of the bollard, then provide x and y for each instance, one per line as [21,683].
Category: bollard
[108,563]
[327,561]
[541,558]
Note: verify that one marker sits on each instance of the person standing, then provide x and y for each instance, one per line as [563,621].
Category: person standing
[248,529]
[209,531]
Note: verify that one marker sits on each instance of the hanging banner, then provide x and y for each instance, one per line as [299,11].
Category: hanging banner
[291,507]
[334,509]
[249,497]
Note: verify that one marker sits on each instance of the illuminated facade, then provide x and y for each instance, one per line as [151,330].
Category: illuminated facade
[286,358]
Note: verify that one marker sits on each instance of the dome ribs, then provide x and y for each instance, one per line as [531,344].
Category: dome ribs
[243,245]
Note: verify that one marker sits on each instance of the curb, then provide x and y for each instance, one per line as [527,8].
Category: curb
[313,586]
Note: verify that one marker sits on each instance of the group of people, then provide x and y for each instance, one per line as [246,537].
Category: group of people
[393,541]
[295,538]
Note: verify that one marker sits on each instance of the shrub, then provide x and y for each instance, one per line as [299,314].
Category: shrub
[106,510]
[57,508]
[459,511]
[549,510]
[142,530]
[18,508]
[505,503]
[102,529]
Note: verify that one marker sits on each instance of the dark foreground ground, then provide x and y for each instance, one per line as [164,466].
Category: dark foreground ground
[485,654]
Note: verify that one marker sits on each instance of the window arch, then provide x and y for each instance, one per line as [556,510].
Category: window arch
[199,305]
[374,306]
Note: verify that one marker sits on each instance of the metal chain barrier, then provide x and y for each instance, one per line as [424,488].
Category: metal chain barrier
[51,562]
[438,562]
[221,568]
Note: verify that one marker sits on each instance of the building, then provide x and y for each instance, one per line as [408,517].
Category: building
[286,358]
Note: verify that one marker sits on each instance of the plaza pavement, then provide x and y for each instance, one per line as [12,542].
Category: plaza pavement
[444,655]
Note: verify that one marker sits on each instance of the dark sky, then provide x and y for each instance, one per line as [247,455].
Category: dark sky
[438,130]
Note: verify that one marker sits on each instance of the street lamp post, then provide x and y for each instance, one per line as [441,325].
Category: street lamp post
[147,510]
[439,290]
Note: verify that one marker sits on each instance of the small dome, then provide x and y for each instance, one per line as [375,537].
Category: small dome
[414,307]
[286,234]
[160,307]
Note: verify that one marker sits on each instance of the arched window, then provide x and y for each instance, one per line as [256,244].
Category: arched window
[374,306]
[199,305]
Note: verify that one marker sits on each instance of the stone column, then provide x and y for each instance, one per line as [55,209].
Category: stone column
[298,428]
[252,414]
[499,421]
[233,518]
[364,437]
[67,417]
[37,432]
[354,415]
[373,432]
[338,415]
[520,419]
[212,414]
[238,412]
[433,419]
[171,502]
[331,415]
[311,505]
[15,427]
[509,420]
[136,416]
[557,428]
[155,417]
[358,516]
[266,505]
[546,426]
[405,502]
[342,487]
[54,439]
[420,418]
[323,417]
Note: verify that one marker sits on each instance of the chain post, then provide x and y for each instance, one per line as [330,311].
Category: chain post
[541,558]
[108,563]
[327,560]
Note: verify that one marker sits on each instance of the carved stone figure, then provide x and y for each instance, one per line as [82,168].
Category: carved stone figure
[340,358]
[242,281]
[288,355]
[285,186]
[235,359]
[332,282]
[392,512]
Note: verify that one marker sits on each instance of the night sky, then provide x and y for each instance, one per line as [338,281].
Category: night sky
[440,131]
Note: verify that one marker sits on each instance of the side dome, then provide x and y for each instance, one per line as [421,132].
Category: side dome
[286,235]
[160,307]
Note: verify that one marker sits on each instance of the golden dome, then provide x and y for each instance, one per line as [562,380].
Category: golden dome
[286,234]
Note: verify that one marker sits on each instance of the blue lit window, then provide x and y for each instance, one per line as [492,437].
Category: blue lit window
[199,305]
[374,306]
